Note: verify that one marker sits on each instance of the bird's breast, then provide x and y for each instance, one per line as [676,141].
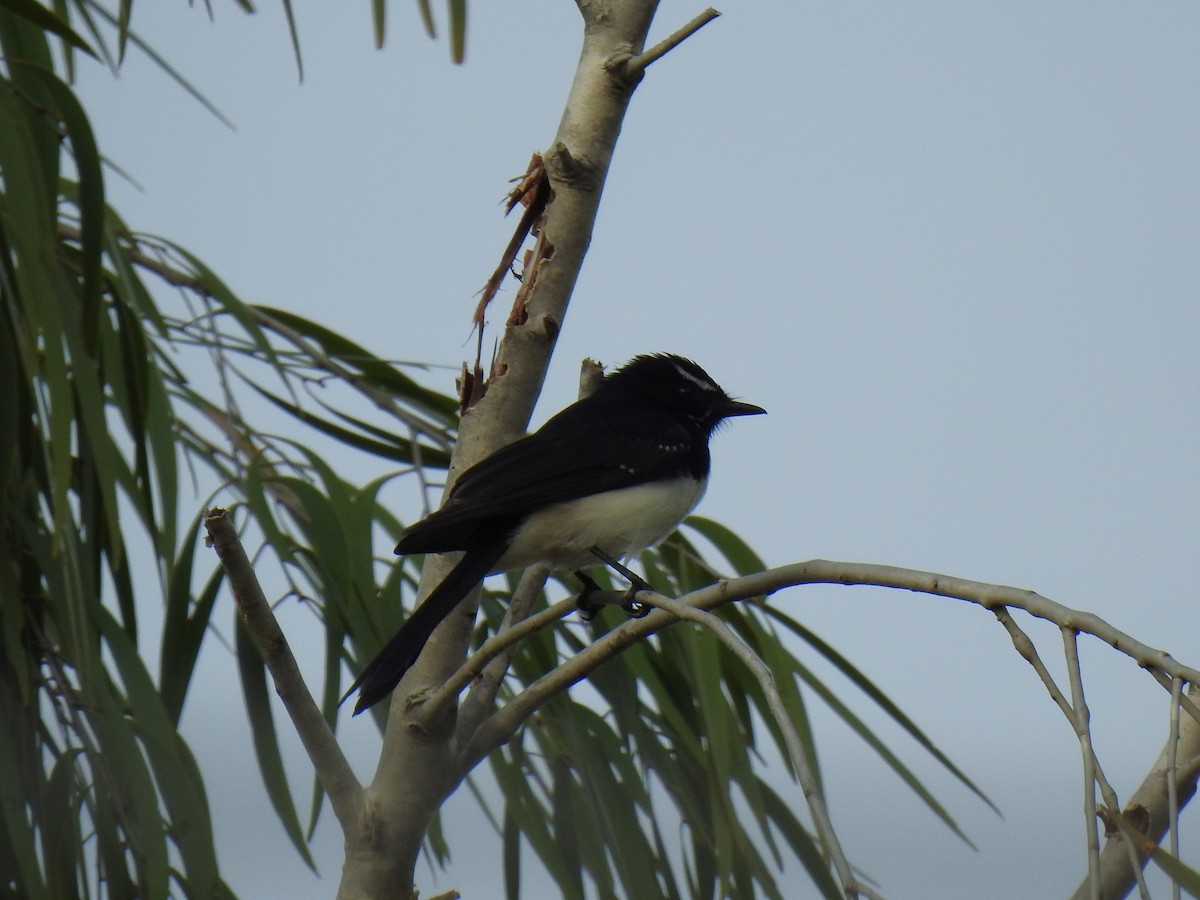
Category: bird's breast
[619,522]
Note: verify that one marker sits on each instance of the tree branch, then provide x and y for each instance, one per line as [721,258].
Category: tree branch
[503,724]
[332,769]
[412,777]
[1026,648]
[436,703]
[635,66]
[487,681]
[1081,720]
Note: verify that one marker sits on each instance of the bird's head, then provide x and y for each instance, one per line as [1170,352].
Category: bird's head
[678,387]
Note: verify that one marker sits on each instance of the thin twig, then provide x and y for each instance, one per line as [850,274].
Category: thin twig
[493,647]
[1083,730]
[332,768]
[483,692]
[1173,769]
[1027,649]
[637,65]
[1186,704]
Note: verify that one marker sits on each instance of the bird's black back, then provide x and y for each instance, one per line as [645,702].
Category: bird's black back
[648,421]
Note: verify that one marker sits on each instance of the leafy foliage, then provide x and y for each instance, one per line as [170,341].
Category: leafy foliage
[99,425]
[88,441]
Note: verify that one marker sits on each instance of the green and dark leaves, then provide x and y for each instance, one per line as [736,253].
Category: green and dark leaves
[108,428]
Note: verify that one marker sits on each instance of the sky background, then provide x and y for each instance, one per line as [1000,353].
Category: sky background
[952,248]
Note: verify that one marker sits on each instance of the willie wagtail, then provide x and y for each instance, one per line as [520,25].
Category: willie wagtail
[608,476]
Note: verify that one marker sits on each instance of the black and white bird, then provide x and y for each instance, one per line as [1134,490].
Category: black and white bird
[607,477]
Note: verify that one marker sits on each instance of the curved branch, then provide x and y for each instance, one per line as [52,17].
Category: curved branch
[500,727]
[1154,795]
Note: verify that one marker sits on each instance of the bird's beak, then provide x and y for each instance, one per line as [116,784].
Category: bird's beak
[738,408]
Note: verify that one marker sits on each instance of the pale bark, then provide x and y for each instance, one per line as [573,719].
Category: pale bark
[421,762]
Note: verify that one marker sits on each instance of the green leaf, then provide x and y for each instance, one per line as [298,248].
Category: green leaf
[123,10]
[426,16]
[119,767]
[46,20]
[379,373]
[266,742]
[743,559]
[61,836]
[131,36]
[16,835]
[184,624]
[894,762]
[512,856]
[295,36]
[1183,875]
[398,449]
[458,30]
[175,770]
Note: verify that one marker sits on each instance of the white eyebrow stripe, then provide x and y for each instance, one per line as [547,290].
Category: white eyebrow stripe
[707,385]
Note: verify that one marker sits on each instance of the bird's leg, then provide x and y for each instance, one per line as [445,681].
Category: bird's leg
[636,583]
[586,609]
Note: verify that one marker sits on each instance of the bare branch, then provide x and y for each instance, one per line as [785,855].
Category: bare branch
[497,644]
[500,727]
[1026,648]
[1081,719]
[504,723]
[637,65]
[1173,766]
[487,682]
[331,766]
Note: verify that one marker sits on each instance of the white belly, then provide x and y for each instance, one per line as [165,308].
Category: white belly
[618,522]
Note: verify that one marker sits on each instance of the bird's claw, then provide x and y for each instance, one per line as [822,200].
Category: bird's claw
[587,611]
[633,608]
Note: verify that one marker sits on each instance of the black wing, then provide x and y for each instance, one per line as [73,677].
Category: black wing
[581,451]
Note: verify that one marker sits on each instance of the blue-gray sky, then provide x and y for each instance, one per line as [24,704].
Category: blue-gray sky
[950,247]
